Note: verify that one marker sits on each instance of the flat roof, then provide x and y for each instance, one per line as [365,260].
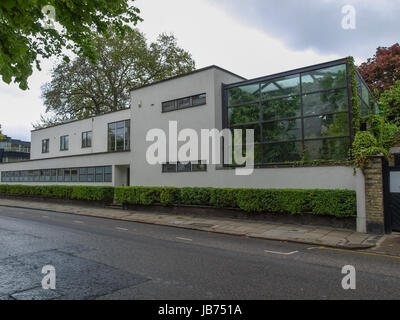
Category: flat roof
[187,74]
[75,120]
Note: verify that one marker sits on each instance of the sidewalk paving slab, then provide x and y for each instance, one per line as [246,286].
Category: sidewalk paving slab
[314,235]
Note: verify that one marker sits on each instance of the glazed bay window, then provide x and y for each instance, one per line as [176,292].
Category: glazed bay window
[45,145]
[64,143]
[86,139]
[295,114]
[119,136]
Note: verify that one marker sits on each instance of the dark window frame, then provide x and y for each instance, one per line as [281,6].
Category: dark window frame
[127,135]
[301,94]
[191,103]
[86,139]
[64,143]
[45,145]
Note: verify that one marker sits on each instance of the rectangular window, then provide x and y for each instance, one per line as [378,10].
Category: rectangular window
[199,166]
[169,167]
[183,103]
[45,145]
[64,143]
[119,136]
[86,139]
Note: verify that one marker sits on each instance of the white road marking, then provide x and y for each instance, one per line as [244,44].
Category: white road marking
[312,248]
[185,239]
[77,221]
[123,229]
[282,253]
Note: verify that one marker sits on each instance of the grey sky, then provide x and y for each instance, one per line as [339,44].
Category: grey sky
[316,24]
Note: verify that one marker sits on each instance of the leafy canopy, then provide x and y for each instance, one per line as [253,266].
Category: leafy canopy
[389,103]
[80,89]
[25,38]
[383,69]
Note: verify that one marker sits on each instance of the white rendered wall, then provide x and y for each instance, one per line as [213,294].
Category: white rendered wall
[98,126]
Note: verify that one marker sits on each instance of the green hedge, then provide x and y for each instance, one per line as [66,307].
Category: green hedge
[102,194]
[339,203]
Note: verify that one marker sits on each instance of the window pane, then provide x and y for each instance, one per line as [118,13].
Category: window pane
[108,169]
[168,105]
[199,99]
[322,79]
[282,152]
[82,170]
[183,103]
[83,178]
[169,167]
[120,124]
[280,87]
[90,170]
[74,175]
[127,135]
[99,177]
[328,149]
[99,170]
[255,127]
[184,167]
[331,125]
[325,102]
[60,177]
[244,114]
[199,167]
[257,154]
[282,130]
[67,175]
[120,139]
[107,177]
[244,94]
[281,108]
[89,139]
[111,136]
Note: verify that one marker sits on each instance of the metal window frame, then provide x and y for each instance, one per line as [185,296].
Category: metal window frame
[85,139]
[46,144]
[125,121]
[175,101]
[65,146]
[300,71]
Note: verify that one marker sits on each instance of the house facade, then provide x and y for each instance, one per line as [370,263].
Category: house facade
[303,114]
[13,150]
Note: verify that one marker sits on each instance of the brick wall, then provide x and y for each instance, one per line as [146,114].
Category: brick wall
[374,204]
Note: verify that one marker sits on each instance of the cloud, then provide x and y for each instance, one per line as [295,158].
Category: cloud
[317,24]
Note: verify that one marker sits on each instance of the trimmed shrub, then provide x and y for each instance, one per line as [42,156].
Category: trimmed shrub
[195,196]
[339,203]
[88,193]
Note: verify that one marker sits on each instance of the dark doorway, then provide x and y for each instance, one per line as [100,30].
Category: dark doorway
[128,176]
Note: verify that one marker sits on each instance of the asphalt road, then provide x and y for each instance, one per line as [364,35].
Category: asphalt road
[98,258]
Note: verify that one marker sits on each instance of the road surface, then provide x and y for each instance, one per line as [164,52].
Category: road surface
[97,258]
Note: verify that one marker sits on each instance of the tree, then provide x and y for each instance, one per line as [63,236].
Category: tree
[389,104]
[79,89]
[1,134]
[383,69]
[26,32]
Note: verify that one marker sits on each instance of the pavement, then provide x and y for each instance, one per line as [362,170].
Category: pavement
[316,235]
[97,258]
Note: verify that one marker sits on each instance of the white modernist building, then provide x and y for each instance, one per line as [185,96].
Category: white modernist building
[304,109]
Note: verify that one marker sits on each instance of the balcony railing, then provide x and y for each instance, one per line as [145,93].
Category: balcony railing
[16,149]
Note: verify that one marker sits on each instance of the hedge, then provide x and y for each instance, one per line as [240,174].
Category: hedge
[95,193]
[339,203]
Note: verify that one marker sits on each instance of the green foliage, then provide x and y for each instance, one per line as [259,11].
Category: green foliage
[354,97]
[364,146]
[25,40]
[389,103]
[195,196]
[87,193]
[339,203]
[80,89]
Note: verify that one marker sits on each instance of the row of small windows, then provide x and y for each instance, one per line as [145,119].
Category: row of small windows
[83,174]
[184,167]
[64,142]
[118,138]
[183,103]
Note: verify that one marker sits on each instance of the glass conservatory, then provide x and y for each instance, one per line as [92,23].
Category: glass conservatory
[300,114]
